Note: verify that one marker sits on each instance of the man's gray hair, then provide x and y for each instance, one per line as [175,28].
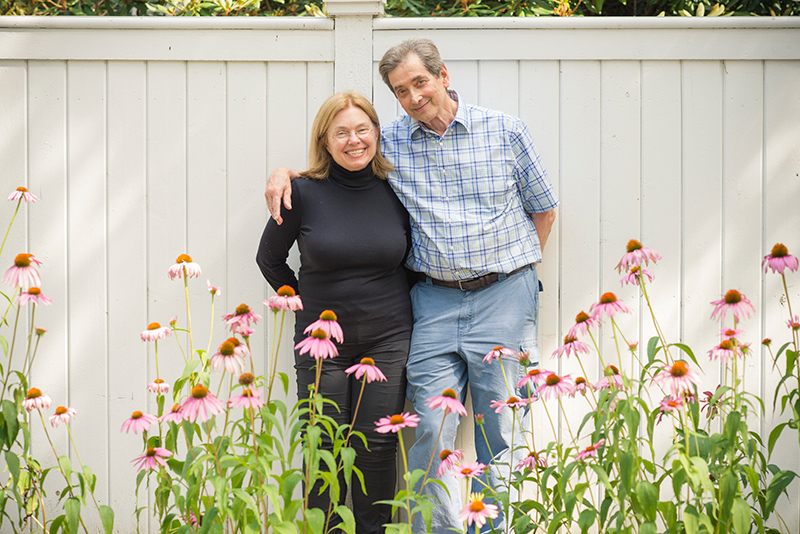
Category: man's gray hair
[423,48]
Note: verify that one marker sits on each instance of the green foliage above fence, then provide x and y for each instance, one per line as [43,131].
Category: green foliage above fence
[408,8]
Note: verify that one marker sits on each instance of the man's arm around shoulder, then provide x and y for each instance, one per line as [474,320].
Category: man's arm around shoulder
[279,188]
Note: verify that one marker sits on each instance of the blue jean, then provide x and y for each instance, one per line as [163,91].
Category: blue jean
[453,331]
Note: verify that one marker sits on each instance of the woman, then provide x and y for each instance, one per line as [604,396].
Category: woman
[353,236]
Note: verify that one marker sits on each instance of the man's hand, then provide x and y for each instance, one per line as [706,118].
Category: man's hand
[279,188]
[543,222]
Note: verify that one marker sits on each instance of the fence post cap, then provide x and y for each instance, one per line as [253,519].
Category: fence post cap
[339,8]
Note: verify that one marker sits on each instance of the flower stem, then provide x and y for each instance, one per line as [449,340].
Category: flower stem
[435,443]
[655,321]
[276,348]
[75,448]
[10,354]
[30,340]
[10,224]
[211,329]
[188,312]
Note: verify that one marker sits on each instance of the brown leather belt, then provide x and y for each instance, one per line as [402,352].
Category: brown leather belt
[472,284]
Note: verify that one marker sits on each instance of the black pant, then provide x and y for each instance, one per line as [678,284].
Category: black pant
[380,399]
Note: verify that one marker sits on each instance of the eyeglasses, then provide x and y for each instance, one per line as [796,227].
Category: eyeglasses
[344,135]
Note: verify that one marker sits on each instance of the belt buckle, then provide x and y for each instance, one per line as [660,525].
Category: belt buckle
[460,286]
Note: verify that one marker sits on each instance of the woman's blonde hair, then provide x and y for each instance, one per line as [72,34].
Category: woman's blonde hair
[319,158]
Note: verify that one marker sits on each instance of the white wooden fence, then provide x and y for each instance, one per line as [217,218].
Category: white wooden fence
[145,138]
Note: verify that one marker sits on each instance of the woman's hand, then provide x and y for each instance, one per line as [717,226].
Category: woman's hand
[279,188]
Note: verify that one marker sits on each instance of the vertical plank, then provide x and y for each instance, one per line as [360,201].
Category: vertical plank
[127,278]
[701,97]
[498,86]
[47,167]
[579,162]
[742,203]
[781,221]
[464,80]
[86,242]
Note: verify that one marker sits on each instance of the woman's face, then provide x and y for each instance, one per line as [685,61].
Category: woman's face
[352,139]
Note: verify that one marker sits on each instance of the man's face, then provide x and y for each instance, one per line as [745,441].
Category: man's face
[421,94]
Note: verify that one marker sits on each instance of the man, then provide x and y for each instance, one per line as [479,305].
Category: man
[481,209]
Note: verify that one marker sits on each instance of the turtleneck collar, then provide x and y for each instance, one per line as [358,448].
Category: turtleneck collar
[362,179]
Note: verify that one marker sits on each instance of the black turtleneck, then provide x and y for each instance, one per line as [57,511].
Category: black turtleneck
[353,236]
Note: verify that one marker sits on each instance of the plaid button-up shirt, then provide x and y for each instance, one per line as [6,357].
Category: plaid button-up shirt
[469,192]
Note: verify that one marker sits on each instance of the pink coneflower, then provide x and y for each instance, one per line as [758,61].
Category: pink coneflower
[173,322]
[523,357]
[497,353]
[725,351]
[636,254]
[138,422]
[571,346]
[21,193]
[730,333]
[583,321]
[608,305]
[450,461]
[475,469]
[249,399]
[532,461]
[174,415]
[477,512]
[512,402]
[709,404]
[766,342]
[158,386]
[635,274]
[677,377]
[284,299]
[779,259]
[318,345]
[395,422]
[734,302]
[62,415]
[479,419]
[794,323]
[611,378]
[184,265]
[245,379]
[152,458]
[40,331]
[36,400]
[448,402]
[591,450]
[670,404]
[215,291]
[366,367]
[581,385]
[244,331]
[554,386]
[155,332]
[201,404]
[533,379]
[35,295]
[228,357]
[22,273]
[328,324]
[242,317]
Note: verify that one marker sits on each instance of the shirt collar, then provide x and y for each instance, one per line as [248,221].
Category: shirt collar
[462,117]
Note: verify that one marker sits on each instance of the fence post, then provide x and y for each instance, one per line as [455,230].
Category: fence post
[353,43]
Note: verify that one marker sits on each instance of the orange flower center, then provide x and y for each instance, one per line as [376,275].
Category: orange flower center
[233,341]
[34,393]
[552,380]
[635,269]
[153,326]
[136,415]
[679,369]
[247,393]
[449,393]
[23,260]
[730,332]
[319,333]
[367,361]
[184,258]
[726,344]
[158,381]
[633,245]
[23,189]
[199,391]
[582,317]
[733,297]
[285,291]
[34,291]
[477,506]
[512,400]
[580,380]
[226,349]
[327,315]
[151,452]
[498,349]
[176,408]
[608,298]
[445,453]
[61,410]
[396,419]
[611,370]
[242,309]
[569,339]
[672,404]
[533,372]
[466,471]
[779,251]
[246,379]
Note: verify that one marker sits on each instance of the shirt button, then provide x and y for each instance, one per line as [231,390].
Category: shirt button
[447,199]
[452,249]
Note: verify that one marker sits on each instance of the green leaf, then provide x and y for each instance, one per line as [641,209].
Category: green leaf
[586,520]
[208,520]
[4,344]
[647,494]
[648,527]
[73,510]
[246,498]
[315,519]
[777,486]
[773,437]
[12,425]
[651,349]
[691,520]
[348,521]
[12,461]
[348,458]
[741,516]
[107,517]
[728,486]
[627,471]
